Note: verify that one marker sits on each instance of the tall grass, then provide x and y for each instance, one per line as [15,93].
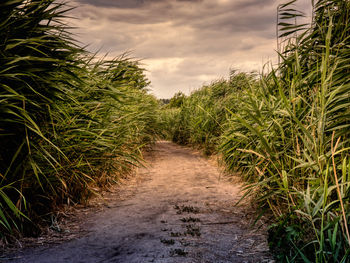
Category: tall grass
[288,134]
[67,121]
[200,118]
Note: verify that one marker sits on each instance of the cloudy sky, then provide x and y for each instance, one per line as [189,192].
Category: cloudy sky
[182,43]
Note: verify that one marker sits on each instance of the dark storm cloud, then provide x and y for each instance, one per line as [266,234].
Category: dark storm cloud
[118,3]
[236,15]
[183,42]
[235,22]
[255,4]
[127,3]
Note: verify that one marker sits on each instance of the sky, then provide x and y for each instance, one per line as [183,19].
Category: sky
[182,44]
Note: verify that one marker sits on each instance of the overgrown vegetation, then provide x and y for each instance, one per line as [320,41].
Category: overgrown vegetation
[68,122]
[287,132]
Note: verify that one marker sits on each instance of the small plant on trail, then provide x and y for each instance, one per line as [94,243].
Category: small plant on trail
[176,234]
[178,252]
[192,230]
[168,241]
[187,209]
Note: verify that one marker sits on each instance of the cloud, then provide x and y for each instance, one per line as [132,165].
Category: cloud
[129,3]
[183,43]
[118,3]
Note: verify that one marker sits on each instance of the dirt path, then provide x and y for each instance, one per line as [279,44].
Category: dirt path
[181,213]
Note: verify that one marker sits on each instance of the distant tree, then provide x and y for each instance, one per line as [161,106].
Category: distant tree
[177,100]
[164,101]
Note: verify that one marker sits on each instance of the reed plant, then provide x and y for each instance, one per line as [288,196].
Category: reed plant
[68,122]
[287,133]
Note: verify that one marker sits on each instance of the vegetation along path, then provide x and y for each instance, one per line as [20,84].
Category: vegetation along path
[182,211]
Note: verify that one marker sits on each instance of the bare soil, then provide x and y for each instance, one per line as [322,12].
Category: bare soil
[177,209]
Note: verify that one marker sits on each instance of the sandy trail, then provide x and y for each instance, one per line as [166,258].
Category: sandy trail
[182,212]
